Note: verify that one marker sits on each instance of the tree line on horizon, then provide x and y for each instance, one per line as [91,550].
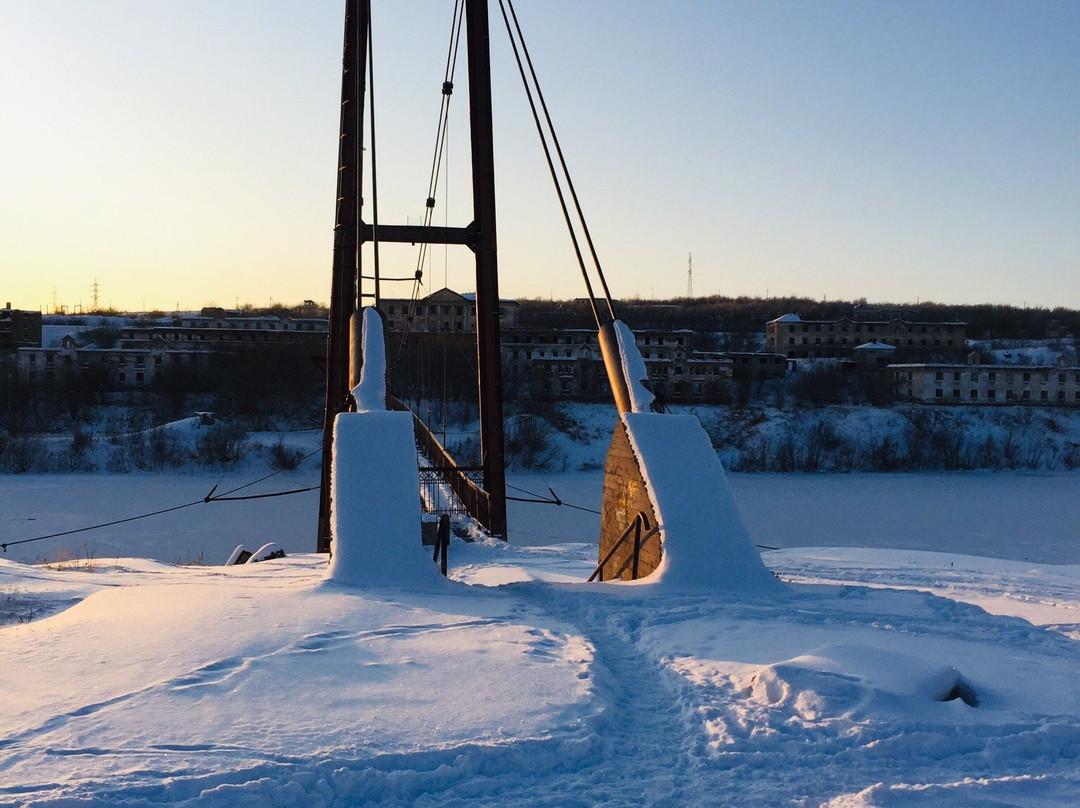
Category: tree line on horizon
[748,315]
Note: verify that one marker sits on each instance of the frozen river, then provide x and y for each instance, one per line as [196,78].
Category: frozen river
[1025,516]
[1022,516]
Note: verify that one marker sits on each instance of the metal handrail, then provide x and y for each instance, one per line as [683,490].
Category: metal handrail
[442,543]
[640,520]
[639,543]
[476,501]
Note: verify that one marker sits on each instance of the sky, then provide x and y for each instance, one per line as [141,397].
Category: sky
[183,154]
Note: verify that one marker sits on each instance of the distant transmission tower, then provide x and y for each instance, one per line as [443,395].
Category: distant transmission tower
[95,288]
[690,275]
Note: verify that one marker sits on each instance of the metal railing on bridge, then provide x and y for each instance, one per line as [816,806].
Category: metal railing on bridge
[464,481]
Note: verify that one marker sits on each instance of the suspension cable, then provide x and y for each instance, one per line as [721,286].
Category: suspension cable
[551,169]
[374,171]
[225,497]
[562,159]
[423,253]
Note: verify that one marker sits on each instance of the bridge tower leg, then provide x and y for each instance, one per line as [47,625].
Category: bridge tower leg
[346,242]
[350,232]
[489,353]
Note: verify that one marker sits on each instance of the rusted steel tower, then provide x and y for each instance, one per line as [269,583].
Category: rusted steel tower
[350,232]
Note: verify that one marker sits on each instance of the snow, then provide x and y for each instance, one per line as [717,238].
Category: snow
[258,685]
[633,367]
[376,514]
[376,504]
[706,546]
[370,392]
[143,682]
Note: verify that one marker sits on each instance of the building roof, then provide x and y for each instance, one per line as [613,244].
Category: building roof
[966,367]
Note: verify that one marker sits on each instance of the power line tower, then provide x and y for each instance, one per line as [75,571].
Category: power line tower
[94,289]
[690,275]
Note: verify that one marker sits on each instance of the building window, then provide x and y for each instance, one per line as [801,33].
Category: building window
[1044,395]
[939,376]
[956,392]
[1027,394]
[991,394]
[939,393]
[973,394]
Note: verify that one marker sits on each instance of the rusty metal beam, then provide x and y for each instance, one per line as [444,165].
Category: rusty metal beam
[419,234]
[489,355]
[346,231]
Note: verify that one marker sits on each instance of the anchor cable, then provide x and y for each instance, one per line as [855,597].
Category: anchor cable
[540,128]
[225,497]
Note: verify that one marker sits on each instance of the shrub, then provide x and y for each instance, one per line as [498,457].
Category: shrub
[223,444]
[25,454]
[76,459]
[164,449]
[820,387]
[528,444]
[285,458]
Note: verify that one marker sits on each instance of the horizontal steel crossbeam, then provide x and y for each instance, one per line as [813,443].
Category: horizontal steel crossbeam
[420,234]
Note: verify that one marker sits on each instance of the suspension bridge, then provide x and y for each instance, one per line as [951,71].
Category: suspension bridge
[665,499]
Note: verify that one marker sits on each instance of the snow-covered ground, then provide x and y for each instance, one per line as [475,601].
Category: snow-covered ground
[138,681]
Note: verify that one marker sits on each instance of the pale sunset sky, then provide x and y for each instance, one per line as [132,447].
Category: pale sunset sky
[184,153]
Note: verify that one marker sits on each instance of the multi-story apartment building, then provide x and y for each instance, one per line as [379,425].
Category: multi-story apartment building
[756,366]
[215,327]
[122,366]
[568,363]
[443,311]
[555,362]
[988,384]
[137,351]
[19,328]
[797,338]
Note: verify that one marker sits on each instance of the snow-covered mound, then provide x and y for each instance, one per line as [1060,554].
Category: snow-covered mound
[706,546]
[257,685]
[376,514]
